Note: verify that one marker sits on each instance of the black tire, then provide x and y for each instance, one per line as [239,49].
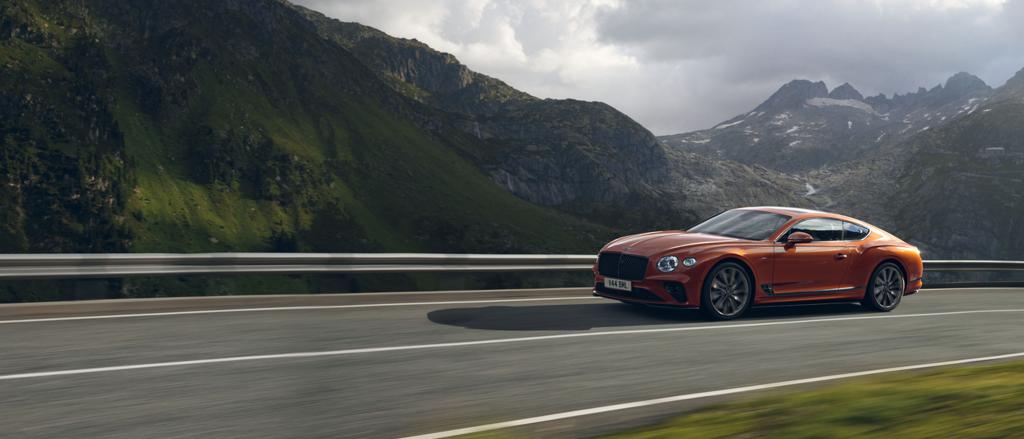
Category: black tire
[892,285]
[724,300]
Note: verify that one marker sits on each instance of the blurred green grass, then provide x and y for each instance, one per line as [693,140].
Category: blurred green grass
[977,402]
[972,402]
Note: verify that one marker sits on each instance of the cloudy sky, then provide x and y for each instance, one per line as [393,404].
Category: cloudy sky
[679,65]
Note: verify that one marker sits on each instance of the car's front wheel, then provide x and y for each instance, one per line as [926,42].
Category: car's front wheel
[886,288]
[728,291]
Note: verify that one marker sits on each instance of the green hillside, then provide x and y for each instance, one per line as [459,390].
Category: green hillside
[231,125]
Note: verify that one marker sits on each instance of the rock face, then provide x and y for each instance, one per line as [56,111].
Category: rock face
[581,157]
[803,126]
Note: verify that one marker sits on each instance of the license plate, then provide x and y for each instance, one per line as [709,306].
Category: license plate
[618,284]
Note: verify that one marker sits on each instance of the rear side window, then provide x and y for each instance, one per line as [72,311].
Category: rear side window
[854,232]
[821,229]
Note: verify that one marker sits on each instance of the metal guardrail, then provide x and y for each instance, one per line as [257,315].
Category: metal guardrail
[966,266]
[941,265]
[68,266]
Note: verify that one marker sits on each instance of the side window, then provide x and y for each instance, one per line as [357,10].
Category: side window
[854,232]
[821,229]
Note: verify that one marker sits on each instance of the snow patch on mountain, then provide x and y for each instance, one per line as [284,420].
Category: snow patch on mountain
[811,190]
[829,102]
[727,125]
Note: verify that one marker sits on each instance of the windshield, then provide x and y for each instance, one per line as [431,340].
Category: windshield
[744,224]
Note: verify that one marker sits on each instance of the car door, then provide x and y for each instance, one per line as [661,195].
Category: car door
[854,235]
[814,267]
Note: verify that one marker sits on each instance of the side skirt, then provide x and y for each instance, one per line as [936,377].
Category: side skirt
[808,303]
[771,291]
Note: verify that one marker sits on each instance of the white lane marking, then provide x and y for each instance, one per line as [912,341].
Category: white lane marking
[926,289]
[690,396]
[586,289]
[288,308]
[477,343]
[298,296]
[315,307]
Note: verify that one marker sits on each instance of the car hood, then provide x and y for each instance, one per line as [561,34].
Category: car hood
[655,243]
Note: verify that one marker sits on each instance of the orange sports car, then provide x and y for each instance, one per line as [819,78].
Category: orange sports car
[760,255]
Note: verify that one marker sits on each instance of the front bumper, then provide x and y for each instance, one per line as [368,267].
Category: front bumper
[656,290]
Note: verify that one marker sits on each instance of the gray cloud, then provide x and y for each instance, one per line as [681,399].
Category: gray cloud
[679,65]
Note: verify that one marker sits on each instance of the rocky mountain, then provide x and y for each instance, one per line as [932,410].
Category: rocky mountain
[804,126]
[956,190]
[941,167]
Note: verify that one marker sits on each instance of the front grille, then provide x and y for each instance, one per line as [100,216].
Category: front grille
[636,294]
[622,266]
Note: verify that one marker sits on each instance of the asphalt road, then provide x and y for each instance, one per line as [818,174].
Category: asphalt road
[398,365]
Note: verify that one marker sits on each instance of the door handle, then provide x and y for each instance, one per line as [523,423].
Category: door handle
[840,256]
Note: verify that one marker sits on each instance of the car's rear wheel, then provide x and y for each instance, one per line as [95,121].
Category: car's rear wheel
[728,291]
[886,288]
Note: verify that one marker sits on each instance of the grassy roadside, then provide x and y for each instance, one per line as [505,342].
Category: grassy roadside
[963,402]
[979,401]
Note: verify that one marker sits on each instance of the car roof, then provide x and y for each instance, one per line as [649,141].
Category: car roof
[798,214]
[790,211]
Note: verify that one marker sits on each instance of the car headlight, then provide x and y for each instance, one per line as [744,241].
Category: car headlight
[667,264]
[689,262]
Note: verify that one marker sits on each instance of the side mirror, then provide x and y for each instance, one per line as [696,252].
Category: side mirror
[798,238]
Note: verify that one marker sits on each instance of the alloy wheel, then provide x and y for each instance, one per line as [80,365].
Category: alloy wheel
[730,289]
[888,286]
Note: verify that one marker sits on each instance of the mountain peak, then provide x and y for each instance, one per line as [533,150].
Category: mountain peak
[1017,81]
[794,94]
[963,83]
[1014,87]
[1018,78]
[846,91]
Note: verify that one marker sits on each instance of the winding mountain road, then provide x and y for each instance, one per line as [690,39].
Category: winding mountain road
[392,365]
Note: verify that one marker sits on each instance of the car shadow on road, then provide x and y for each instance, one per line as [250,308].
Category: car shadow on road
[581,317]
